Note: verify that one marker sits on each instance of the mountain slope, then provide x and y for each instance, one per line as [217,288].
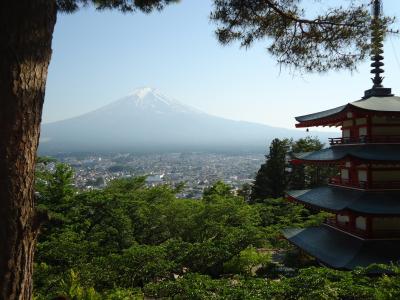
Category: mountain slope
[148,121]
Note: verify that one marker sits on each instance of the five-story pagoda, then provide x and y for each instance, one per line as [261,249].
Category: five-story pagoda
[365,197]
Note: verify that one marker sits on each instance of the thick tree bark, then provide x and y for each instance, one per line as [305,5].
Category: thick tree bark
[26,29]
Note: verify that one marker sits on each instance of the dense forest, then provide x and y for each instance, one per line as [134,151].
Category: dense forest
[131,241]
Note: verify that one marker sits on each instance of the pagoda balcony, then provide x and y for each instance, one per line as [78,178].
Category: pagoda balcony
[369,234]
[376,139]
[375,185]
[348,183]
[385,185]
[346,227]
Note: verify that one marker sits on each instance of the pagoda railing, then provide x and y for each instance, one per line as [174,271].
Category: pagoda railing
[385,233]
[395,184]
[376,139]
[376,185]
[346,227]
[348,183]
[377,234]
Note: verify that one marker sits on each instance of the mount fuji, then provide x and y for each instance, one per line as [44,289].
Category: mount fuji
[148,121]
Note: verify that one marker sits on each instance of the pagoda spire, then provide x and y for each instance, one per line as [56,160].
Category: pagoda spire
[377,53]
[377,45]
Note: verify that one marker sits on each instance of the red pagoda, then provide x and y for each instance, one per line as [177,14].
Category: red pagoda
[365,197]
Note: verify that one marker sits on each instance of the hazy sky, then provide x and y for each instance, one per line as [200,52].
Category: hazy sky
[99,57]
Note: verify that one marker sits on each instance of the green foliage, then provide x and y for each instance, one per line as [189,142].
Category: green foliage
[308,176]
[334,37]
[271,179]
[129,235]
[70,6]
[277,174]
[309,283]
[70,287]
[54,193]
[75,291]
[129,241]
[126,185]
[245,191]
[56,187]
[218,189]
[135,266]
[307,144]
[302,176]
[196,286]
[123,294]
[297,259]
[388,288]
[247,262]
[120,168]
[44,160]
[281,212]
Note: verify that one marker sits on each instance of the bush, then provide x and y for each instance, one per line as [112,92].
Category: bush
[247,262]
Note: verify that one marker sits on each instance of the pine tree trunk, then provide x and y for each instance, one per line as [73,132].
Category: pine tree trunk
[26,29]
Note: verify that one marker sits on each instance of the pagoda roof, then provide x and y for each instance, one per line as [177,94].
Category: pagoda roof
[321,114]
[341,250]
[370,152]
[376,104]
[337,199]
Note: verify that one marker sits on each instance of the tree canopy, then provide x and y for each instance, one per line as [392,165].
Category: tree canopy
[70,6]
[337,38]
[278,174]
[129,241]
[272,177]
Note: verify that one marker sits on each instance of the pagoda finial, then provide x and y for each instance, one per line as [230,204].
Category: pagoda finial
[377,45]
[377,53]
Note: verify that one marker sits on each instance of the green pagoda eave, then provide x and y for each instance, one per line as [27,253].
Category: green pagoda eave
[367,152]
[341,250]
[336,199]
[387,104]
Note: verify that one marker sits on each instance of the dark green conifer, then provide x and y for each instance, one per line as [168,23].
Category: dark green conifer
[271,179]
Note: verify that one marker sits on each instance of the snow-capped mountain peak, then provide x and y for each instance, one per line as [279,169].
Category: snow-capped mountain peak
[149,99]
[143,92]
[146,120]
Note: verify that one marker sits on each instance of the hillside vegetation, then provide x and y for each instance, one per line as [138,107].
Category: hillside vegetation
[130,241]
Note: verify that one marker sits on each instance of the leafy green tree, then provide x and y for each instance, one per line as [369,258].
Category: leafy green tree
[103,222]
[245,191]
[54,194]
[219,188]
[307,176]
[71,288]
[247,262]
[309,283]
[128,235]
[307,144]
[271,179]
[126,185]
[134,267]
[55,187]
[129,239]
[302,176]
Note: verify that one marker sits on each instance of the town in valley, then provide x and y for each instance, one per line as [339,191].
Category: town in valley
[196,170]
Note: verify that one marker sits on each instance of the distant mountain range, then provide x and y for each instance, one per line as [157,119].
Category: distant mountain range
[148,121]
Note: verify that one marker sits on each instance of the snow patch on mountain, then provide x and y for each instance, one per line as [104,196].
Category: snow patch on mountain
[149,99]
